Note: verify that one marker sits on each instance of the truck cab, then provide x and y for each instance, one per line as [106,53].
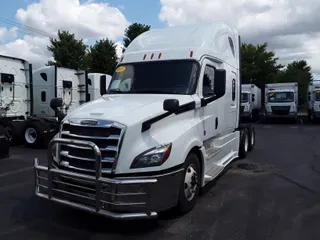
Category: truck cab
[250,101]
[168,124]
[314,100]
[281,100]
[246,102]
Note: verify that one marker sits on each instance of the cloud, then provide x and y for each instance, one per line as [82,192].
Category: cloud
[8,34]
[289,26]
[89,21]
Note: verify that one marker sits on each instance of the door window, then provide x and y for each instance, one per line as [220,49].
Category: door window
[208,82]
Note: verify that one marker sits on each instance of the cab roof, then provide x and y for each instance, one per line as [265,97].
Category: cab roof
[216,39]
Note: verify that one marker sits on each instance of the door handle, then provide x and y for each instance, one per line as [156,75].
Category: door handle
[217,123]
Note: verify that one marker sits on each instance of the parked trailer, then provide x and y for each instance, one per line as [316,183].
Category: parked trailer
[156,138]
[250,101]
[314,100]
[281,100]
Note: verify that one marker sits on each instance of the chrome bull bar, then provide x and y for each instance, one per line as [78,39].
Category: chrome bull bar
[125,209]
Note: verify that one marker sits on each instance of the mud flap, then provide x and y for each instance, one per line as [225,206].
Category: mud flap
[4,143]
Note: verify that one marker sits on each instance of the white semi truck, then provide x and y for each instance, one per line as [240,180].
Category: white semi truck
[168,125]
[314,100]
[25,98]
[250,101]
[96,83]
[281,100]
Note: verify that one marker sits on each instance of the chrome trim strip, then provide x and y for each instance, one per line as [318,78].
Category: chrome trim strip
[104,160]
[111,137]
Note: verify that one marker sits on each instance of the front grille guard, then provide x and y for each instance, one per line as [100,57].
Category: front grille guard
[98,182]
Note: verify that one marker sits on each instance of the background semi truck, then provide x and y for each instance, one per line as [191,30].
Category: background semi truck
[25,96]
[281,100]
[155,139]
[250,101]
[314,100]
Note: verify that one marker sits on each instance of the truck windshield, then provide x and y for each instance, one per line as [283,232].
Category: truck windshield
[156,77]
[281,97]
[317,96]
[244,97]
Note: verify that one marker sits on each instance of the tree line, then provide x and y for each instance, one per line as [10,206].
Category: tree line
[259,66]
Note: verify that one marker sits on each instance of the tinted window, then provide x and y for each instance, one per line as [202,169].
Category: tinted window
[244,97]
[43,96]
[208,82]
[44,76]
[231,46]
[168,77]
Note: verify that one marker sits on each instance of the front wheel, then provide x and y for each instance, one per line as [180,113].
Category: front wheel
[190,184]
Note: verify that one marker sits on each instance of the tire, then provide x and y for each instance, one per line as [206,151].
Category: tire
[252,139]
[185,203]
[244,143]
[12,133]
[34,134]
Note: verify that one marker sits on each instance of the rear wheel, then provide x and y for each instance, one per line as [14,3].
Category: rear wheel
[13,130]
[252,138]
[244,143]
[190,184]
[34,134]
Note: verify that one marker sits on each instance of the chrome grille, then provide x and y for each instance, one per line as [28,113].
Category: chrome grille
[105,134]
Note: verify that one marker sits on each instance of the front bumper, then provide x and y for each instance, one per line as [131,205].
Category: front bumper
[245,114]
[117,198]
[316,114]
[273,115]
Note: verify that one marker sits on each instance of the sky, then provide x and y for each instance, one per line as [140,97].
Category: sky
[291,27]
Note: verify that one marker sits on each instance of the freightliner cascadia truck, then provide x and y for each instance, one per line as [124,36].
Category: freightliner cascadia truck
[168,124]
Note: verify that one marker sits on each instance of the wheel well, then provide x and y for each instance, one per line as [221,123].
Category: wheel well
[197,151]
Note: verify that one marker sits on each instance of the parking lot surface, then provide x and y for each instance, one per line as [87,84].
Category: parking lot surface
[273,194]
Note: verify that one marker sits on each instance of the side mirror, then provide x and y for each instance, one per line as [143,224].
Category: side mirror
[171,105]
[56,103]
[220,83]
[103,85]
[253,98]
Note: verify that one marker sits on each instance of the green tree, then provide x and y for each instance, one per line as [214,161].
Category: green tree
[133,31]
[67,51]
[102,57]
[259,66]
[297,71]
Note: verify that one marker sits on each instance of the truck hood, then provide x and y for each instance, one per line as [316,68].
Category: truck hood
[128,109]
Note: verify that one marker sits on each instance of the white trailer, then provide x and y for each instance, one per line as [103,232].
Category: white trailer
[281,100]
[25,98]
[96,82]
[168,125]
[314,100]
[250,101]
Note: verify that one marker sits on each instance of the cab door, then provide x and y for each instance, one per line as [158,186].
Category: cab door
[211,113]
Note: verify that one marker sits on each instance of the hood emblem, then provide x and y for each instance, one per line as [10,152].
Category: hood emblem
[89,122]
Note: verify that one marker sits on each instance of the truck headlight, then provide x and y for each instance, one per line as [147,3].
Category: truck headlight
[153,157]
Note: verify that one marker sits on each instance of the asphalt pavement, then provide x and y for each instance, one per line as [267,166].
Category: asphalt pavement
[273,194]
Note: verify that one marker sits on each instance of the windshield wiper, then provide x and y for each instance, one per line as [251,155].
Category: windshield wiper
[151,91]
[115,91]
